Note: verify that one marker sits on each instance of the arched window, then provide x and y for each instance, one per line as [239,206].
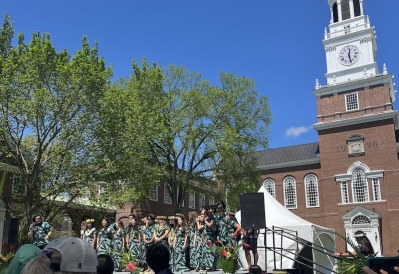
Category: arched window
[270,187]
[345,9]
[311,191]
[359,186]
[356,7]
[289,185]
[335,12]
[361,220]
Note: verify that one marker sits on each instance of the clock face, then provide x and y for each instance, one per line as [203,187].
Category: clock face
[349,55]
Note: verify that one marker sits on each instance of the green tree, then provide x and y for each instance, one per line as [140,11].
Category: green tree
[180,126]
[49,103]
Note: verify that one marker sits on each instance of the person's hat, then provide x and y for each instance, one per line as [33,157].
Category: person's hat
[179,215]
[161,217]
[24,254]
[231,213]
[77,255]
[172,217]
[359,234]
[89,221]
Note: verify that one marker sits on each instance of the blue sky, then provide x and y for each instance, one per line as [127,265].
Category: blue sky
[277,43]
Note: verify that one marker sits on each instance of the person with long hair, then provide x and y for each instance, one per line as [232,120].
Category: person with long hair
[90,233]
[105,264]
[192,225]
[365,246]
[209,256]
[233,229]
[199,244]
[161,231]
[104,238]
[118,244]
[255,269]
[148,231]
[133,239]
[171,238]
[180,244]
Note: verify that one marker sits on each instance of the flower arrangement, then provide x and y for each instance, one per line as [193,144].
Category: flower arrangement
[5,259]
[129,264]
[229,254]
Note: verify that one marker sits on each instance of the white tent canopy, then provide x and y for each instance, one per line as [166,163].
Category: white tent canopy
[279,216]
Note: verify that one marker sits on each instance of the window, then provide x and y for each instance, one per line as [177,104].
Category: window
[345,8]
[167,198]
[361,220]
[191,200]
[359,186]
[356,7]
[312,191]
[289,185]
[153,195]
[270,187]
[335,12]
[18,186]
[201,200]
[344,193]
[103,193]
[351,101]
[376,189]
[211,200]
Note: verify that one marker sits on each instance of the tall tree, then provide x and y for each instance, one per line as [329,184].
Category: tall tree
[182,126]
[48,105]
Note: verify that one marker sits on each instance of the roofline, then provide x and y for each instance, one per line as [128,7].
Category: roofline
[290,164]
[286,147]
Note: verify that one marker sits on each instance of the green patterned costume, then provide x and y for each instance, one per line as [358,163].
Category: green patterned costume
[40,232]
[117,243]
[179,254]
[198,262]
[171,236]
[89,235]
[134,245]
[160,231]
[105,241]
[209,256]
[230,231]
[222,229]
[193,245]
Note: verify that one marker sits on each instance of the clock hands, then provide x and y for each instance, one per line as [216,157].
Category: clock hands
[349,55]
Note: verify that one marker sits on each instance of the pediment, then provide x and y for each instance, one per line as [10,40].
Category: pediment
[359,210]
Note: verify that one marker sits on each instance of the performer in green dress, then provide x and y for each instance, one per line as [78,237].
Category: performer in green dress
[104,238]
[233,229]
[199,243]
[221,222]
[118,245]
[148,236]
[90,233]
[192,220]
[171,240]
[180,244]
[209,256]
[161,231]
[133,239]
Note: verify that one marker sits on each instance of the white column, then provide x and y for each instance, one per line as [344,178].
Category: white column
[352,10]
[339,10]
[332,16]
[361,7]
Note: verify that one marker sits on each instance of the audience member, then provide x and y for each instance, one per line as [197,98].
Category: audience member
[105,264]
[255,269]
[157,258]
[24,254]
[64,255]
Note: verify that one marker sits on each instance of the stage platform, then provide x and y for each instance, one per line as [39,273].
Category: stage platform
[191,272]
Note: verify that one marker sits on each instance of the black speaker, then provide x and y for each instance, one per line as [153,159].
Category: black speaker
[252,210]
[10,231]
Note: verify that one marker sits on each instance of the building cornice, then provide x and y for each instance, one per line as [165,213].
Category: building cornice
[369,175]
[354,84]
[290,164]
[391,114]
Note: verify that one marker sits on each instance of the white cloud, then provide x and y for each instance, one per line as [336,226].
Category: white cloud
[296,131]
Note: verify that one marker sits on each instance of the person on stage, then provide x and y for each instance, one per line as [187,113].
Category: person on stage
[180,244]
[209,256]
[233,229]
[364,245]
[199,244]
[192,226]
[90,233]
[133,239]
[171,239]
[221,222]
[161,231]
[104,238]
[251,238]
[118,245]
[39,231]
[148,232]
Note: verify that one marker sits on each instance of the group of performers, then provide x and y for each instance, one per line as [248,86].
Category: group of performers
[187,240]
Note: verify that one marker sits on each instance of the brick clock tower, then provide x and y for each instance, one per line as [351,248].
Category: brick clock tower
[356,124]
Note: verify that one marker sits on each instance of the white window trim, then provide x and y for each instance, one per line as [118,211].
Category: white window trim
[379,188]
[156,194]
[166,195]
[367,190]
[317,190]
[342,193]
[357,98]
[189,198]
[274,186]
[296,197]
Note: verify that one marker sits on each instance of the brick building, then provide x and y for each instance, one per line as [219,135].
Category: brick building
[348,180]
